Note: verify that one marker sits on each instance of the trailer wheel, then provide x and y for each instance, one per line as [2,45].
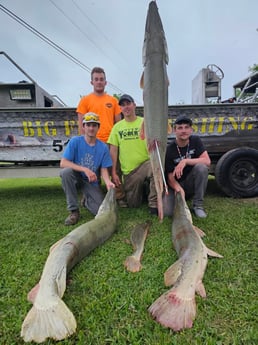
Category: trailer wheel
[236,172]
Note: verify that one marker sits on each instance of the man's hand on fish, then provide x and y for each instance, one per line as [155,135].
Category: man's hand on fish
[110,185]
[116,179]
[180,189]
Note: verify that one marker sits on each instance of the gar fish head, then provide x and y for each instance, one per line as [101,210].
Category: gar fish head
[109,203]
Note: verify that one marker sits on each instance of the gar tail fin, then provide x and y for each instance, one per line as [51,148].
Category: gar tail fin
[173,311]
[49,317]
[132,264]
[55,321]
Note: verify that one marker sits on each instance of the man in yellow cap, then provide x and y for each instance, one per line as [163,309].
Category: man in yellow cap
[84,161]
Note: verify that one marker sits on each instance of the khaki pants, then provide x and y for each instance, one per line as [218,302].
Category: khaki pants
[137,182]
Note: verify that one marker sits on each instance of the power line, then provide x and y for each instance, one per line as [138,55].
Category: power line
[77,26]
[51,43]
[98,29]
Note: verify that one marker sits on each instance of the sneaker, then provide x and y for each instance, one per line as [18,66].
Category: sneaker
[153,211]
[122,203]
[199,212]
[73,218]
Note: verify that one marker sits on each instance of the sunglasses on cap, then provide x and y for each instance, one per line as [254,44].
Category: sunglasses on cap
[91,117]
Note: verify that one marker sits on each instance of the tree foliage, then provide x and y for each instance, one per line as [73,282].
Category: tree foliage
[253,68]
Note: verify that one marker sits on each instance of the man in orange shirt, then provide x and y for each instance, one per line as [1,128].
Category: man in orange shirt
[101,103]
[108,110]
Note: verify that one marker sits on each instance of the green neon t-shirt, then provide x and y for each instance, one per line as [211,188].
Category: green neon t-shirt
[132,150]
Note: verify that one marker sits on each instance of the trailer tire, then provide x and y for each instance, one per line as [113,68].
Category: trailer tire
[236,172]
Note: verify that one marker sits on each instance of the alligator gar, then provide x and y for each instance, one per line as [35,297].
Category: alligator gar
[138,236]
[50,317]
[176,308]
[154,82]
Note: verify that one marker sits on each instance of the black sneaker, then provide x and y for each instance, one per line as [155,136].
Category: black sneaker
[153,211]
[122,203]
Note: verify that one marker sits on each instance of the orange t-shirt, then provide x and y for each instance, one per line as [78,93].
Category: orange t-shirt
[106,107]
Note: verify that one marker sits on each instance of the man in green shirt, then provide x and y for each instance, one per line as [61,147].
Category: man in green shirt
[132,152]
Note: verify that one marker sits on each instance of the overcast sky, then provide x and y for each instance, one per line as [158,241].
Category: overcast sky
[109,33]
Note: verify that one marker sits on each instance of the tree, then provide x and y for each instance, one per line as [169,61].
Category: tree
[117,95]
[253,68]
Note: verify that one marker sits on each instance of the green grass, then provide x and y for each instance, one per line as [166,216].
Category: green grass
[110,304]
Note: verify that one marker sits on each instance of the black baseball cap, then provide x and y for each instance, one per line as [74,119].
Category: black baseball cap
[125,98]
[183,119]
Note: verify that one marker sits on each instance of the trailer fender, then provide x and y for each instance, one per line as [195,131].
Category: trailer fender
[236,172]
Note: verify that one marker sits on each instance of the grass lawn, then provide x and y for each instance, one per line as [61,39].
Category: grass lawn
[110,304]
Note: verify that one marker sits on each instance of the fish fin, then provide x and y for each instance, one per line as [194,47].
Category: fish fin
[33,293]
[174,311]
[56,322]
[142,131]
[199,231]
[132,264]
[142,81]
[212,253]
[172,273]
[200,289]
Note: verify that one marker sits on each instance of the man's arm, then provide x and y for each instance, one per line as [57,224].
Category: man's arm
[114,156]
[172,182]
[65,163]
[80,127]
[202,159]
[105,175]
